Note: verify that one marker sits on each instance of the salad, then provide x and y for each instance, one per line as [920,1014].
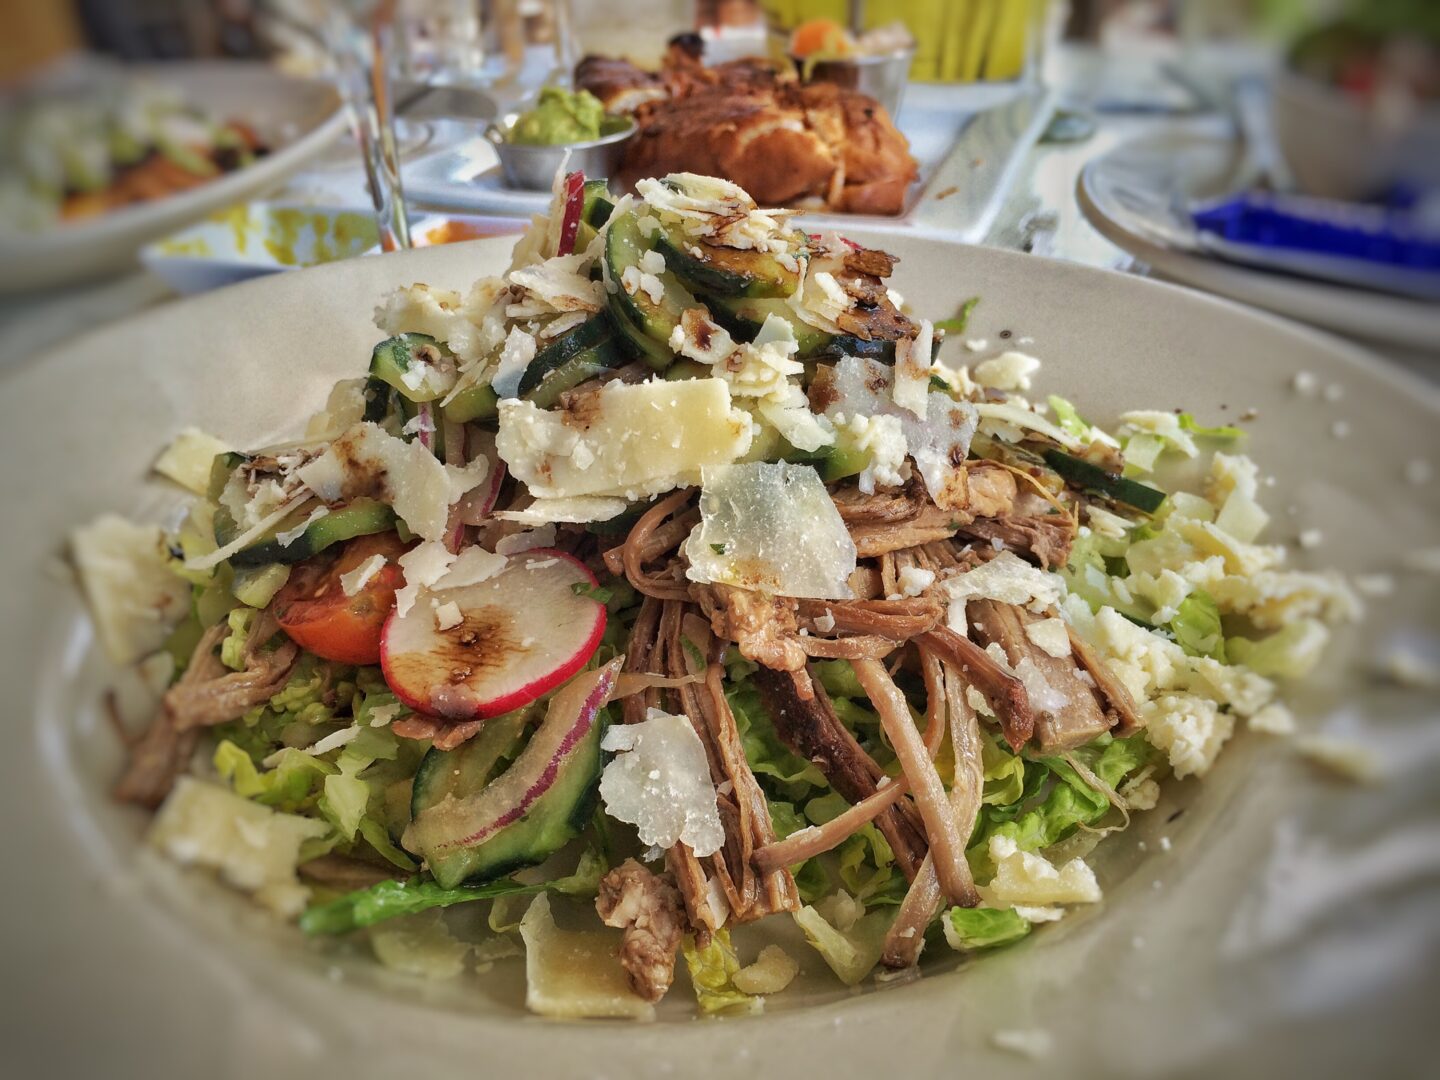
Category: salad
[77,155]
[672,590]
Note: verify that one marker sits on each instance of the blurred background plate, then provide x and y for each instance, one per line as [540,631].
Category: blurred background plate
[298,117]
[1135,195]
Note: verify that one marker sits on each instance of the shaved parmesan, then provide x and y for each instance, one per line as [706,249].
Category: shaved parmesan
[253,847]
[659,781]
[289,536]
[464,479]
[559,283]
[938,444]
[352,582]
[772,528]
[368,460]
[423,566]
[515,357]
[1008,579]
[583,508]
[1014,416]
[1050,637]
[575,974]
[912,371]
[469,325]
[527,540]
[470,567]
[624,440]
[134,596]
[188,458]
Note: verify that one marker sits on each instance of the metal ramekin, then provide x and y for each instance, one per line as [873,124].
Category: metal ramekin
[533,168]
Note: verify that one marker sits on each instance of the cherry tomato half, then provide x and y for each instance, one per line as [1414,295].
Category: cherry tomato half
[314,611]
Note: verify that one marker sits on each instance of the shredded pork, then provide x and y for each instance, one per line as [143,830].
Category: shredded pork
[647,908]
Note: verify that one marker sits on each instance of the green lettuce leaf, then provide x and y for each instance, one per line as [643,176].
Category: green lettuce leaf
[390,899]
[960,321]
[967,929]
[1196,626]
[1190,424]
[712,970]
[1068,419]
[853,953]
[839,679]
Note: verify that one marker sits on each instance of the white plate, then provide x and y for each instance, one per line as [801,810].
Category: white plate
[1293,928]
[1128,194]
[969,142]
[299,118]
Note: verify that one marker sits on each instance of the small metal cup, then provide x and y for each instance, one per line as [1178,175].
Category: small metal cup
[881,75]
[533,168]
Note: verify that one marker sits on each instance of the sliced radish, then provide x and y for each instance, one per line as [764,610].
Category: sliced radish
[521,633]
[454,824]
[574,203]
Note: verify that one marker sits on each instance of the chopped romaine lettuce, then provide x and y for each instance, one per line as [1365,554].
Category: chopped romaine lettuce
[1196,626]
[983,928]
[712,970]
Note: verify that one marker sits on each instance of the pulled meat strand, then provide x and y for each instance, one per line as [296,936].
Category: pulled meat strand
[1127,717]
[639,549]
[163,751]
[818,839]
[873,539]
[896,504]
[900,620]
[1005,693]
[863,647]
[1076,717]
[220,698]
[763,627]
[947,846]
[810,728]
[647,908]
[923,901]
[347,874]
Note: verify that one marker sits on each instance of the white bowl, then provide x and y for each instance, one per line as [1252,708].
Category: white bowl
[1340,148]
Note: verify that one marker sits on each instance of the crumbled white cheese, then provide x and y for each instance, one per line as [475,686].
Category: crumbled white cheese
[558,284]
[1049,636]
[468,324]
[1023,877]
[825,623]
[635,440]
[883,439]
[659,781]
[333,741]
[188,458]
[652,262]
[914,580]
[447,616]
[515,357]
[352,582]
[134,595]
[1006,578]
[772,528]
[1010,371]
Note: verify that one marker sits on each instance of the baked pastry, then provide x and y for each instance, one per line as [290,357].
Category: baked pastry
[782,140]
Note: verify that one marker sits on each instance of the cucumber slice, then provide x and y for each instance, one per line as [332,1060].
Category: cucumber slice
[721,271]
[256,586]
[360,517]
[1084,474]
[472,765]
[393,358]
[597,206]
[742,318]
[639,343]
[584,365]
[563,349]
[472,403]
[624,245]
